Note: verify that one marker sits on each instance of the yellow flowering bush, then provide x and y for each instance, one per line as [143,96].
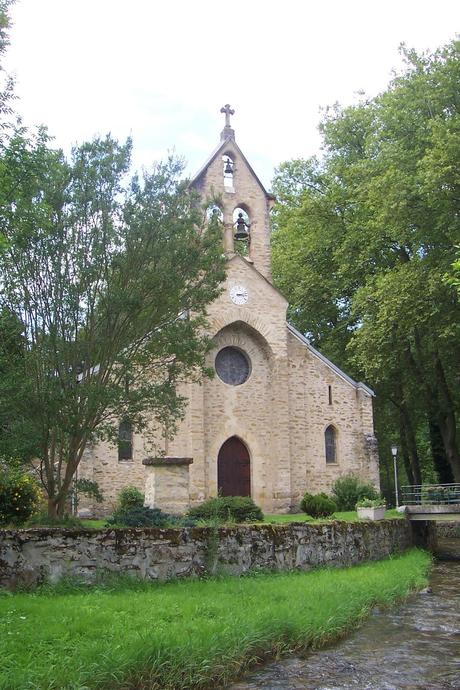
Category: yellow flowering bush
[20,495]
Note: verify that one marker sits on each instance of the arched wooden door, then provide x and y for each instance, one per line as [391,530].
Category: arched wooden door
[234,469]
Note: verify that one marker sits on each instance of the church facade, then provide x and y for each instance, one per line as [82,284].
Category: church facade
[278,418]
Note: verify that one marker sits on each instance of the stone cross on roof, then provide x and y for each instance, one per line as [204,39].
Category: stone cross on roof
[228,111]
[227,131]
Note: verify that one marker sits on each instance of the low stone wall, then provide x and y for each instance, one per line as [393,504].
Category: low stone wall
[32,556]
[450,530]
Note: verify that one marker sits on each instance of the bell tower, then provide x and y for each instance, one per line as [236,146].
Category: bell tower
[228,181]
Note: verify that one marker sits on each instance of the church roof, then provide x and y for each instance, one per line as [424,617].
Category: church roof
[331,365]
[223,144]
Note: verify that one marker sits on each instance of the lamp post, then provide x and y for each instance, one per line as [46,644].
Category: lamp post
[394,452]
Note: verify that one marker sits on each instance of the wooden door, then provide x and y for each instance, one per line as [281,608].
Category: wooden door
[234,469]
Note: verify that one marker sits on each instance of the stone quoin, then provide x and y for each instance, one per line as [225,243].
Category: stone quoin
[278,418]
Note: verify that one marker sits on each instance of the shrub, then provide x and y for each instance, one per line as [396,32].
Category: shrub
[350,489]
[236,508]
[139,516]
[88,488]
[130,498]
[371,503]
[19,495]
[42,519]
[318,505]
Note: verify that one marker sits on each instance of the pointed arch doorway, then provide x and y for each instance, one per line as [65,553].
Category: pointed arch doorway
[234,468]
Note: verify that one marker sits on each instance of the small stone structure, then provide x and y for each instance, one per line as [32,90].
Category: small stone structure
[32,556]
[167,484]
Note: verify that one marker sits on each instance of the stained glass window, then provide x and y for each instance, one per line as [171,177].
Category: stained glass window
[233,366]
[330,442]
[125,440]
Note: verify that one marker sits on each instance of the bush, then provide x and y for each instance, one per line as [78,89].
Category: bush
[19,496]
[371,503]
[139,516]
[319,505]
[233,508]
[42,519]
[130,498]
[350,489]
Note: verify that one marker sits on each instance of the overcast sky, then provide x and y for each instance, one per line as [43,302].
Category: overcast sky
[160,70]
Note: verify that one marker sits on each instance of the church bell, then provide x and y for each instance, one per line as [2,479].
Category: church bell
[242,228]
[228,167]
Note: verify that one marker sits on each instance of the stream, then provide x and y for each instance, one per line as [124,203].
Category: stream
[413,646]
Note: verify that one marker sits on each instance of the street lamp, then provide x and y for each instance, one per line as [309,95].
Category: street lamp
[394,452]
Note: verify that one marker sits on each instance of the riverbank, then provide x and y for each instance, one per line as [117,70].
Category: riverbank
[186,634]
[411,646]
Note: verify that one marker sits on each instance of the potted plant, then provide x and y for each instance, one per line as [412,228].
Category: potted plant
[371,508]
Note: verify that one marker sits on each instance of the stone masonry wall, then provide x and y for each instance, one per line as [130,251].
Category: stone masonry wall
[32,556]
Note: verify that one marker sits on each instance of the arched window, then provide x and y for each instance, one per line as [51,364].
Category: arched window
[214,212]
[241,228]
[228,166]
[125,440]
[330,441]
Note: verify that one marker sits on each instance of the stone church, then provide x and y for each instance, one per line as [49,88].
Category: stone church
[278,418]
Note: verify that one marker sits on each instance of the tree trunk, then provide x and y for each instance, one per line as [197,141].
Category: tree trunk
[447,421]
[52,508]
[404,449]
[441,464]
[411,445]
[438,396]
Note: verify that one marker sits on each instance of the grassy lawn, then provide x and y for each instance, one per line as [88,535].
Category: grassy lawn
[349,516]
[186,634]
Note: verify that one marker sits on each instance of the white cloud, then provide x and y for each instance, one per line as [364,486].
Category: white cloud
[161,71]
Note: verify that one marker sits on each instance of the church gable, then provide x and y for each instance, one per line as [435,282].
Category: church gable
[228,181]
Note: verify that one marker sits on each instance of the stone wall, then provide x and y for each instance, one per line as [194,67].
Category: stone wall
[31,556]
[450,530]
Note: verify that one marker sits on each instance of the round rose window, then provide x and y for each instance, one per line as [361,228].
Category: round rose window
[233,366]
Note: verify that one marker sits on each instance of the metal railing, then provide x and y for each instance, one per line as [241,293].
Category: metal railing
[430,494]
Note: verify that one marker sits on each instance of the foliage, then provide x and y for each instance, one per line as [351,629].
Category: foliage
[350,489]
[318,505]
[89,488]
[130,497]
[364,237]
[371,503]
[19,495]
[105,283]
[139,516]
[236,508]
[66,521]
[190,630]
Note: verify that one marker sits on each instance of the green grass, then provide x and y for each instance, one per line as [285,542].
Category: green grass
[94,524]
[348,516]
[186,634]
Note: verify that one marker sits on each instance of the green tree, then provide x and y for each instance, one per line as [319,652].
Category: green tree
[364,237]
[105,283]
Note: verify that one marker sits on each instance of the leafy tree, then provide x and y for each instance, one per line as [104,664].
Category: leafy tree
[105,283]
[364,237]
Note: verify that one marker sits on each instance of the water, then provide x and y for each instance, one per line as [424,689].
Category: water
[414,646]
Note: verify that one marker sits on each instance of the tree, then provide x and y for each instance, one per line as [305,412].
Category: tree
[364,237]
[109,281]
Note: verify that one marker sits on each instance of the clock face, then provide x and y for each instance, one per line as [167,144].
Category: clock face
[239,294]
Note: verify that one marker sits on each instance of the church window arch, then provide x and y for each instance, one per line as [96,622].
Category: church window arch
[125,440]
[330,444]
[241,230]
[228,170]
[214,212]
